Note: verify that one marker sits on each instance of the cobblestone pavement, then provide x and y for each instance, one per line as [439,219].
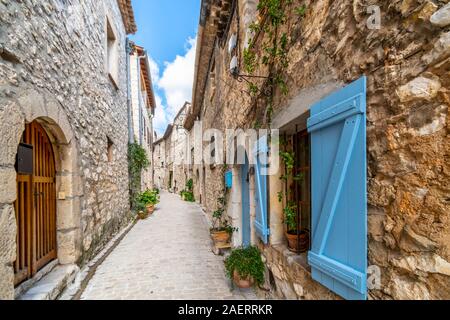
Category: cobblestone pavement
[167,256]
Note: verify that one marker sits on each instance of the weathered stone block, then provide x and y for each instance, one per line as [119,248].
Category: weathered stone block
[428,120]
[441,18]
[12,126]
[7,185]
[6,282]
[68,246]
[419,88]
[404,288]
[7,235]
[413,242]
[440,51]
[71,185]
[423,263]
[32,104]
[69,214]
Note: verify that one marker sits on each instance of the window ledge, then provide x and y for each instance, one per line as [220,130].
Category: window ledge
[300,259]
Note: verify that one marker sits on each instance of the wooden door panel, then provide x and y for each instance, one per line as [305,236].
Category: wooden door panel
[36,207]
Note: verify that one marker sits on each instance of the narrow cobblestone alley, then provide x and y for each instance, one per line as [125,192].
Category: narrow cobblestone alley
[166,256]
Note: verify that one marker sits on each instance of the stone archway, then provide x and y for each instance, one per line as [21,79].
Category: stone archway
[14,113]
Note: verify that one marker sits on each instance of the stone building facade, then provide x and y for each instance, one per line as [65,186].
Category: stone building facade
[403,50]
[142,108]
[159,161]
[163,164]
[179,142]
[63,67]
[171,170]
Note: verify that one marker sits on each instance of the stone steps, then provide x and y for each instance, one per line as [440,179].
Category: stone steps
[52,284]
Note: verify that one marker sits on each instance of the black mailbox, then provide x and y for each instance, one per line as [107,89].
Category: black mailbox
[24,160]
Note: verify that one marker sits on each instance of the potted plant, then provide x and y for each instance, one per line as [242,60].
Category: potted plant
[244,267]
[141,210]
[221,230]
[298,240]
[150,198]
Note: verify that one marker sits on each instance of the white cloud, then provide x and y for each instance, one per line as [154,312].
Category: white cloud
[154,70]
[177,79]
[160,120]
[175,83]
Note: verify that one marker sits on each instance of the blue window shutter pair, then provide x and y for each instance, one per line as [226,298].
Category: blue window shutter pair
[260,154]
[338,257]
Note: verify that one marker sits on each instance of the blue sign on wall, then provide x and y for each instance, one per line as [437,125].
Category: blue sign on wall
[228,179]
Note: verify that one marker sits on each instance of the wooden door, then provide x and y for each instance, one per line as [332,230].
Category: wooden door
[35,205]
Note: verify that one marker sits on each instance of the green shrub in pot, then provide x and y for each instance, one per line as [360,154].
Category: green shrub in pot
[247,263]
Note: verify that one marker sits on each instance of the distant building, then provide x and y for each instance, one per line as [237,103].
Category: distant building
[142,107]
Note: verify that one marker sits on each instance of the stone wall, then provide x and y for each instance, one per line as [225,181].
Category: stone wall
[53,69]
[407,64]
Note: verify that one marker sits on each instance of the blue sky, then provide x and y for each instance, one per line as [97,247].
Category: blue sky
[168,29]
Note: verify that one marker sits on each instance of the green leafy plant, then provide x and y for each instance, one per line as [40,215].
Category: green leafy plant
[249,60]
[220,221]
[148,197]
[137,161]
[290,207]
[246,262]
[301,11]
[290,216]
[274,46]
[188,194]
[140,206]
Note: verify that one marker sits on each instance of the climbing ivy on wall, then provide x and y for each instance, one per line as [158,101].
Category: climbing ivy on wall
[137,161]
[273,49]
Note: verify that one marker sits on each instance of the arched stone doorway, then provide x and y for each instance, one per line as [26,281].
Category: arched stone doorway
[43,109]
[35,206]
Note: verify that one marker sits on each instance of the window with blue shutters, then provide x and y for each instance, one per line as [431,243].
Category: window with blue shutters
[338,256]
[260,155]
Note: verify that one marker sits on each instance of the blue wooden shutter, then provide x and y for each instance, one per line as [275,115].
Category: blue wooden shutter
[339,194]
[261,169]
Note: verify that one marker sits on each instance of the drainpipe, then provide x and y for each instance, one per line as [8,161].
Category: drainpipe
[130,123]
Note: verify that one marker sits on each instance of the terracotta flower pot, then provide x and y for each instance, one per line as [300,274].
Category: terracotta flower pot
[241,282]
[150,208]
[143,215]
[220,237]
[298,243]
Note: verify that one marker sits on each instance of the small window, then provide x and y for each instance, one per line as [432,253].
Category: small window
[112,63]
[110,150]
[213,150]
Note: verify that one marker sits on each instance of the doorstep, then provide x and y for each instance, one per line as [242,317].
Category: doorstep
[50,286]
